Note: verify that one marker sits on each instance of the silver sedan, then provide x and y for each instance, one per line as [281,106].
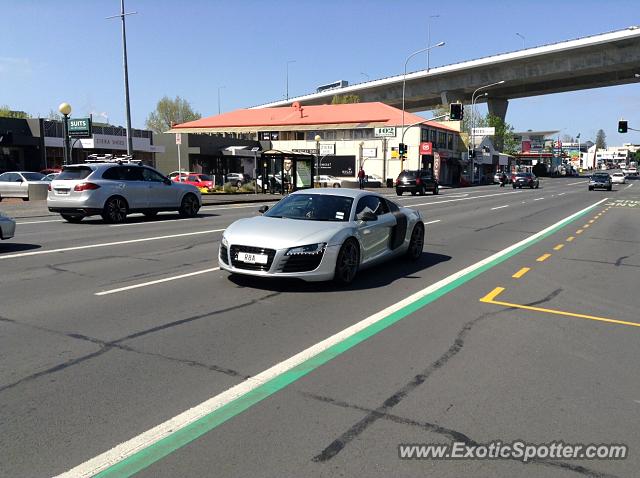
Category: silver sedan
[322,234]
[7,227]
[15,184]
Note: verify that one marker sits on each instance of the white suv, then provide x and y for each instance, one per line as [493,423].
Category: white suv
[114,190]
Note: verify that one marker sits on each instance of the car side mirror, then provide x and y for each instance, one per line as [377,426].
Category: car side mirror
[263,209]
[367,216]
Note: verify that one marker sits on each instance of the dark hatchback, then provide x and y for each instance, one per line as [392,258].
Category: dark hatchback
[416,182]
[528,180]
[600,181]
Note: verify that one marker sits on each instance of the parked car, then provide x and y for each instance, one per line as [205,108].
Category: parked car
[174,174]
[618,178]
[113,190]
[416,182]
[50,176]
[374,181]
[237,179]
[320,234]
[7,227]
[328,181]
[15,184]
[521,180]
[202,181]
[600,181]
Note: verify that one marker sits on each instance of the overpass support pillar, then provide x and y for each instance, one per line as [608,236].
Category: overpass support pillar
[498,107]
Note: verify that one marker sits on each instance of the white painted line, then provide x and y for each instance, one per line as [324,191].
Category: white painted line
[218,208]
[499,207]
[579,182]
[538,199]
[432,222]
[158,281]
[461,199]
[124,450]
[562,194]
[629,186]
[39,222]
[106,244]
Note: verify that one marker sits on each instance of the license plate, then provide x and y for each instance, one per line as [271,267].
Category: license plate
[62,192]
[252,258]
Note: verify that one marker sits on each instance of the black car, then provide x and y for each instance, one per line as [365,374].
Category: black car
[419,181]
[600,181]
[521,180]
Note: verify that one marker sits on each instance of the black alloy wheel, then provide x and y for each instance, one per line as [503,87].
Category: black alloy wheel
[347,262]
[416,244]
[189,207]
[115,210]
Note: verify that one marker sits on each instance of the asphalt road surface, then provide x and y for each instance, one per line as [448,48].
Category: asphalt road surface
[123,349]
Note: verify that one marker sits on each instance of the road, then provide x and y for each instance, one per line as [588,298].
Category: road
[519,322]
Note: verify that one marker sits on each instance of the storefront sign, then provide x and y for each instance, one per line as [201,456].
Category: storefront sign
[426,147]
[338,166]
[326,149]
[436,166]
[369,152]
[385,132]
[484,131]
[80,128]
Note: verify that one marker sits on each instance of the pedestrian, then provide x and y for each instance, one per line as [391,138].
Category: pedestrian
[361,177]
[503,179]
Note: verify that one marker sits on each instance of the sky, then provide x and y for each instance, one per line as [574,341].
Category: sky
[55,51]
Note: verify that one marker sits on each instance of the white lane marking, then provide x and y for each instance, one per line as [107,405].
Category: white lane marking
[538,199]
[579,182]
[158,281]
[217,208]
[461,199]
[629,186]
[499,207]
[124,450]
[107,244]
[562,194]
[39,222]
[432,222]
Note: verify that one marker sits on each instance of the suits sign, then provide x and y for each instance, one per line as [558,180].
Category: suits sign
[426,147]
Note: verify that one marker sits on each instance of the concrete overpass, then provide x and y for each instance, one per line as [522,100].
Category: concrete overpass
[596,61]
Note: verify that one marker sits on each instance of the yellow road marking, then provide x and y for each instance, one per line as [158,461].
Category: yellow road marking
[585,226]
[558,247]
[543,257]
[579,231]
[570,238]
[592,221]
[521,272]
[491,296]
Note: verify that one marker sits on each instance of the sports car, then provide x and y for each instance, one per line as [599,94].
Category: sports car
[320,234]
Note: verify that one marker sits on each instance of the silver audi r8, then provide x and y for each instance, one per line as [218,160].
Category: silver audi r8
[322,234]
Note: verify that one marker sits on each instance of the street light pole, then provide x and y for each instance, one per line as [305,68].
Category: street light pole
[289,61]
[219,88]
[404,79]
[429,39]
[521,36]
[126,75]
[65,109]
[317,139]
[473,113]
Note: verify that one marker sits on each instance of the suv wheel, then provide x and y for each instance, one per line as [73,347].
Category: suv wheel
[115,210]
[189,206]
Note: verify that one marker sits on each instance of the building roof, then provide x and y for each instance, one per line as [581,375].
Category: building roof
[300,117]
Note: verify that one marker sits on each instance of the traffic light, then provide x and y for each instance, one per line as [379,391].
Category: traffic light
[622,126]
[402,149]
[456,112]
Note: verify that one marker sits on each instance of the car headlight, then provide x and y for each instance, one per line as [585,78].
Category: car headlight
[307,250]
[224,241]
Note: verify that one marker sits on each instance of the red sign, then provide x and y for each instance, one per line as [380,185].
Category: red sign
[426,147]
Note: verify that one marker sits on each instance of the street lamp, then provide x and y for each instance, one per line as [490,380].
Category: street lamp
[404,77]
[521,36]
[65,109]
[317,139]
[473,115]
[429,38]
[289,61]
[365,75]
[219,88]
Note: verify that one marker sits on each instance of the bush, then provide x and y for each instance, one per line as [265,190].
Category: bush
[247,188]
[229,188]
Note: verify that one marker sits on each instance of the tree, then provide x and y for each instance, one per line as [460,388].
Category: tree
[169,112]
[601,140]
[6,112]
[344,99]
[504,139]
[54,116]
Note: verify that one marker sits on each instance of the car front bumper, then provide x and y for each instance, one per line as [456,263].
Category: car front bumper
[323,272]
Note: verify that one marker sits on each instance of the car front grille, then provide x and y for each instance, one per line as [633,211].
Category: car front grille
[301,263]
[224,254]
[253,250]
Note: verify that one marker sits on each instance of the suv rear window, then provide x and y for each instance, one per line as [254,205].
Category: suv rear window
[75,172]
[408,174]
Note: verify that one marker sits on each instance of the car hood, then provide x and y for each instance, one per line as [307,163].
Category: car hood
[277,233]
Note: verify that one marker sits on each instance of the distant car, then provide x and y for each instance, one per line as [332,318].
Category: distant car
[7,227]
[374,181]
[521,180]
[15,184]
[328,181]
[237,179]
[416,182]
[46,172]
[322,234]
[632,171]
[202,181]
[113,190]
[174,174]
[600,181]
[618,178]
[496,177]
[50,176]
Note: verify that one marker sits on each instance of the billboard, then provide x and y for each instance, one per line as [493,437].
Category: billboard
[338,166]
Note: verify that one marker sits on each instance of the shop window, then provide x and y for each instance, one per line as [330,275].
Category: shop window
[449,141]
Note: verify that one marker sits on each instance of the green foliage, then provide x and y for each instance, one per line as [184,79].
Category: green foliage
[344,99]
[247,188]
[229,188]
[504,139]
[169,112]
[6,112]
[601,139]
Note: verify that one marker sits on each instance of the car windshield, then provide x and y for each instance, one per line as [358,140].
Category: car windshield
[523,175]
[33,176]
[205,177]
[313,207]
[74,173]
[600,176]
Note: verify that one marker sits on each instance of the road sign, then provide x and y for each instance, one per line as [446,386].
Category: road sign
[426,147]
[80,128]
[484,131]
[178,138]
[385,132]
